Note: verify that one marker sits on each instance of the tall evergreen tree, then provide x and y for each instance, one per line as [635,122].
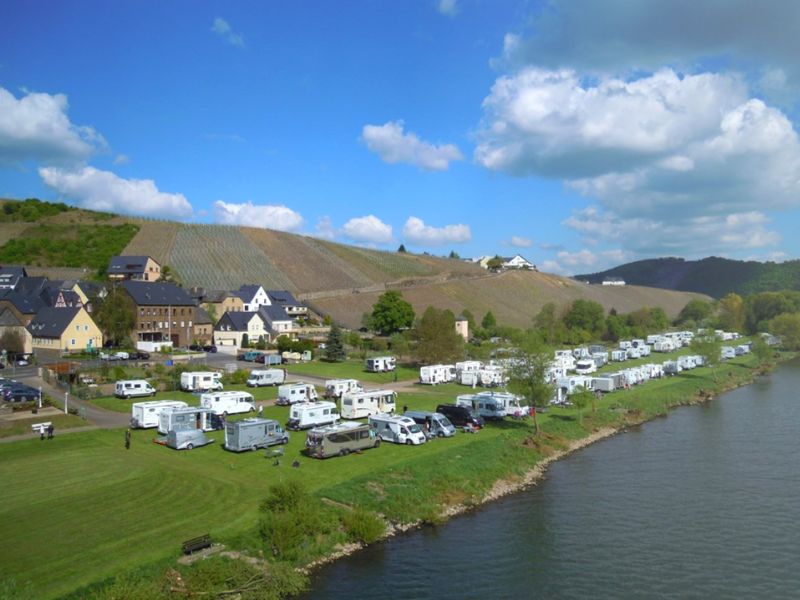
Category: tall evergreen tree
[334,345]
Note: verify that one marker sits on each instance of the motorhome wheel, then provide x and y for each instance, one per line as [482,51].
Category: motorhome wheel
[254,447]
[344,452]
[409,442]
[189,446]
[285,440]
[440,434]
[377,443]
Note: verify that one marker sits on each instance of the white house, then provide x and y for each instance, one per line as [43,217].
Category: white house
[253,297]
[276,320]
[232,326]
[613,281]
[518,262]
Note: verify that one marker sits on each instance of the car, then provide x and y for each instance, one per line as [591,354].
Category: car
[20,393]
[210,348]
[139,355]
[22,362]
[121,355]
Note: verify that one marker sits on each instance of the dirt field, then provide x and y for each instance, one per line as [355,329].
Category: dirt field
[155,239]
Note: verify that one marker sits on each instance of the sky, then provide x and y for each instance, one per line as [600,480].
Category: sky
[580,134]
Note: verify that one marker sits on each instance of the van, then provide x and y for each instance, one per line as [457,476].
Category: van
[259,377]
[460,416]
[228,403]
[133,388]
[305,415]
[252,434]
[145,414]
[340,439]
[397,429]
[292,393]
[432,423]
[187,439]
[358,405]
[334,388]
[380,364]
[201,381]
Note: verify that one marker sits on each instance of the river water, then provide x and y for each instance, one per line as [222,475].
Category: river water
[703,503]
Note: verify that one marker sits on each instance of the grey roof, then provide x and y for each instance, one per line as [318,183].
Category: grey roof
[13,270]
[157,293]
[217,295]
[237,320]
[51,322]
[127,265]
[201,316]
[8,318]
[31,285]
[247,292]
[273,313]
[50,296]
[283,297]
[27,305]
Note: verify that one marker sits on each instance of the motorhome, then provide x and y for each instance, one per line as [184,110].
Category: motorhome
[664,345]
[619,355]
[671,367]
[686,362]
[435,374]
[634,352]
[603,384]
[305,415]
[381,364]
[571,384]
[291,393]
[145,414]
[492,376]
[397,429]
[228,403]
[359,405]
[432,423]
[187,439]
[581,352]
[509,402]
[585,366]
[625,344]
[191,417]
[652,339]
[565,359]
[252,434]
[486,406]
[644,350]
[334,388]
[600,358]
[340,439]
[201,381]
[469,366]
[259,377]
[472,378]
[133,388]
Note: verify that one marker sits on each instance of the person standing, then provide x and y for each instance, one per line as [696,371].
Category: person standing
[51,432]
[128,439]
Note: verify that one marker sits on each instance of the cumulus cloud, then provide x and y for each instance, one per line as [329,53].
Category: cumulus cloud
[324,229]
[519,241]
[223,29]
[103,190]
[448,8]
[416,232]
[393,145]
[369,229]
[36,126]
[267,216]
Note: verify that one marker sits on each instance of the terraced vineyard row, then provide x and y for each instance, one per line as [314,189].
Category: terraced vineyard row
[156,239]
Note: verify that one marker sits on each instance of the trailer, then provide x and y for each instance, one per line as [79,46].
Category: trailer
[201,381]
[435,374]
[340,439]
[144,415]
[600,358]
[571,384]
[619,355]
[291,393]
[671,367]
[262,377]
[305,415]
[468,366]
[585,366]
[471,378]
[254,433]
[187,439]
[228,403]
[664,345]
[492,376]
[565,359]
[727,352]
[359,405]
[603,384]
[380,364]
[191,417]
[397,429]
[634,353]
[334,388]
[484,405]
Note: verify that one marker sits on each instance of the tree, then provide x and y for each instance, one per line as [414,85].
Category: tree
[528,374]
[391,313]
[761,350]
[454,254]
[731,312]
[211,309]
[695,310]
[437,340]
[787,327]
[580,399]
[548,324]
[116,315]
[488,322]
[400,345]
[12,342]
[334,345]
[709,347]
[467,314]
[170,276]
[402,249]
[586,316]
[245,340]
[353,339]
[494,264]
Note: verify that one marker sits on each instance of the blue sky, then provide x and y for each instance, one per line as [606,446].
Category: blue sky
[580,134]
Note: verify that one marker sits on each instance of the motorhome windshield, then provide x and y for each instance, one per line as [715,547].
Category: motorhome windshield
[414,428]
[445,422]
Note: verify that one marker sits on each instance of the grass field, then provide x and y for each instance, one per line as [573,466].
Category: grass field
[352,369]
[20,426]
[123,405]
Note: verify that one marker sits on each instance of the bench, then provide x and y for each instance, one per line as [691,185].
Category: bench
[195,544]
[40,428]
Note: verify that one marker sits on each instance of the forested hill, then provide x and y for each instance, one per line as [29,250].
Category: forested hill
[713,276]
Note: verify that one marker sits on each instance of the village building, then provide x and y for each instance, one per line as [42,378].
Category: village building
[233,326]
[57,330]
[253,297]
[164,312]
[136,268]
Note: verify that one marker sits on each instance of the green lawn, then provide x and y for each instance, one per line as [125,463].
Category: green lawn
[352,369]
[124,406]
[17,427]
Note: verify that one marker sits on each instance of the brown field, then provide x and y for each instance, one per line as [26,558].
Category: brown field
[155,239]
[9,231]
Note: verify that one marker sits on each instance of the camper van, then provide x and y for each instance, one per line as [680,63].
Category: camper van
[358,405]
[619,355]
[397,429]
[381,364]
[486,406]
[201,381]
[187,439]
[664,345]
[305,415]
[585,366]
[133,388]
[433,424]
[472,378]
[145,414]
[259,377]
[727,352]
[228,403]
[461,416]
[571,384]
[292,393]
[469,366]
[334,388]
[340,439]
[191,417]
[565,359]
[509,402]
[492,376]
[252,434]
[434,374]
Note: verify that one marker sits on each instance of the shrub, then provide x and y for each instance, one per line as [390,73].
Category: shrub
[238,377]
[363,526]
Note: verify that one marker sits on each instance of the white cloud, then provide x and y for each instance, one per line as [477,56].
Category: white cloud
[103,190]
[121,159]
[520,242]
[551,266]
[223,29]
[448,7]
[37,127]
[394,146]
[369,229]
[266,216]
[583,258]
[416,232]
[324,229]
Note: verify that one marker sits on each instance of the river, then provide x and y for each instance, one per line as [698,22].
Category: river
[703,503]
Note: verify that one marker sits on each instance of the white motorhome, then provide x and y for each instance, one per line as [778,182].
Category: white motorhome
[357,405]
[469,366]
[570,385]
[686,362]
[133,388]
[397,429]
[585,366]
[228,403]
[634,352]
[259,377]
[472,378]
[485,405]
[191,417]
[201,381]
[305,415]
[664,345]
[600,358]
[625,344]
[334,388]
[434,374]
[381,364]
[619,355]
[565,359]
[644,350]
[292,393]
[145,414]
[727,352]
[492,375]
[509,402]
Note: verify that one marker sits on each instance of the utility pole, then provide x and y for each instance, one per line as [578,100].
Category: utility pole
[66,402]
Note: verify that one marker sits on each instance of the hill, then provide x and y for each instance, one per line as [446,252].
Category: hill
[336,279]
[712,276]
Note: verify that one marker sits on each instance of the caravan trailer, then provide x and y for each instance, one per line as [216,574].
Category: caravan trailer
[619,355]
[469,366]
[191,417]
[600,358]
[381,364]
[571,384]
[603,384]
[340,439]
[585,366]
[472,378]
[664,345]
[305,415]
[397,429]
[492,376]
[145,414]
[228,403]
[252,434]
[201,381]
[133,388]
[187,439]
[358,405]
[260,377]
[565,359]
[291,393]
[434,374]
[334,388]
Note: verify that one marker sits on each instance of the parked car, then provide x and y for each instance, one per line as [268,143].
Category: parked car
[210,348]
[139,355]
[20,393]
[121,355]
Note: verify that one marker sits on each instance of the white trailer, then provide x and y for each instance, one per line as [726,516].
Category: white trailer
[381,364]
[600,358]
[634,352]
[305,415]
[664,345]
[652,339]
[201,381]
[291,393]
[603,384]
[145,414]
[727,352]
[565,359]
[334,388]
[435,374]
[228,403]
[625,344]
[397,429]
[261,377]
[585,366]
[619,355]
[469,366]
[191,417]
[471,378]
[492,376]
[358,405]
[644,350]
[570,385]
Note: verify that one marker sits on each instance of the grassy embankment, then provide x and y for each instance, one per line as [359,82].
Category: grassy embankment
[82,508]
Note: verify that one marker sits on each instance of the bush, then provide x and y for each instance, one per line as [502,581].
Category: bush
[283,496]
[238,377]
[363,526]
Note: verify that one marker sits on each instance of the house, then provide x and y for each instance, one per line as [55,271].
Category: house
[518,262]
[462,328]
[286,300]
[9,323]
[164,312]
[24,307]
[277,321]
[613,281]
[252,297]
[203,328]
[10,276]
[55,296]
[232,327]
[60,330]
[219,302]
[137,268]
[483,261]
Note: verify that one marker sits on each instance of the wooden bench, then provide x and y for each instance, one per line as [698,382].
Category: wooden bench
[195,544]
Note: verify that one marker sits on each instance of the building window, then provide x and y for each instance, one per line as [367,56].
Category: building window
[72,342]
